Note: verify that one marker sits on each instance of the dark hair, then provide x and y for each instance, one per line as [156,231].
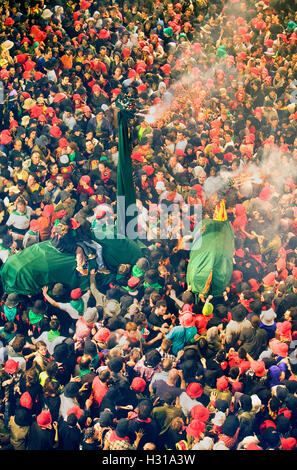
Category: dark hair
[152,358]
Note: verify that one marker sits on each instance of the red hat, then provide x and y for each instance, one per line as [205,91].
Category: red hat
[259,368]
[11,366]
[84,4]
[284,328]
[194,390]
[36,111]
[284,411]
[239,253]
[261,25]
[103,34]
[25,40]
[4,74]
[222,383]
[76,293]
[63,142]
[197,47]
[138,384]
[237,277]
[269,43]
[29,65]
[200,412]
[133,282]
[254,284]
[55,131]
[180,153]
[253,446]
[136,155]
[132,73]
[278,347]
[265,194]
[140,69]
[265,425]
[38,75]
[85,179]
[269,279]
[26,401]
[76,410]
[44,419]
[149,169]
[116,91]
[21,58]
[187,320]
[293,37]
[5,139]
[195,428]
[141,88]
[9,22]
[59,97]
[13,124]
[166,68]
[288,443]
[102,335]
[76,96]
[126,52]
[242,55]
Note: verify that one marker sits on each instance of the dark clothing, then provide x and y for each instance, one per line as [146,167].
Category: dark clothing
[40,438]
[69,436]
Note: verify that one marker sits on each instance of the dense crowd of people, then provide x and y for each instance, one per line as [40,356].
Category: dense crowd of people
[145,363]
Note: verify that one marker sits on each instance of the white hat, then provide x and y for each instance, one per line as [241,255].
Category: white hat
[160,185]
[256,403]
[46,14]
[204,444]
[219,418]
[64,159]
[104,107]
[7,44]
[220,446]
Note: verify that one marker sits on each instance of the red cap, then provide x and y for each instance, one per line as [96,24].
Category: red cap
[133,282]
[44,419]
[26,401]
[194,390]
[138,384]
[288,443]
[166,68]
[11,366]
[200,412]
[103,34]
[102,335]
[132,73]
[76,410]
[195,428]
[222,383]
[258,367]
[76,293]
[55,131]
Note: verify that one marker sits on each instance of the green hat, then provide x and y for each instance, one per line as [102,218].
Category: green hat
[183,35]
[168,31]
[207,309]
[291,25]
[36,44]
[222,51]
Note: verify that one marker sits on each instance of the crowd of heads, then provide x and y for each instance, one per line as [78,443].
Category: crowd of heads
[145,363]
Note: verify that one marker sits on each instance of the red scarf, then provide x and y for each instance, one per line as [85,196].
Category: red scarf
[114,437]
[105,176]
